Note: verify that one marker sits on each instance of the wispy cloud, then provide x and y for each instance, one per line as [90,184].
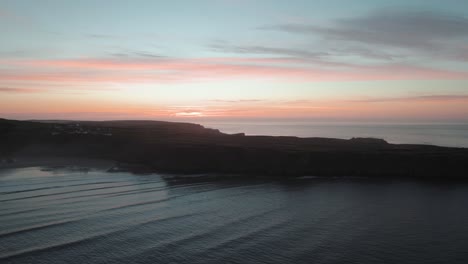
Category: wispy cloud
[103,36]
[19,90]
[236,101]
[419,99]
[376,108]
[319,56]
[430,32]
[171,70]
[264,50]
[55,90]
[137,54]
[437,107]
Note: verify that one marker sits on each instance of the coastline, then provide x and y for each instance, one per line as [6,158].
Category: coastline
[185,148]
[18,162]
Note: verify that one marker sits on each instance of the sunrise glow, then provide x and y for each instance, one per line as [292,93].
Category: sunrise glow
[239,60]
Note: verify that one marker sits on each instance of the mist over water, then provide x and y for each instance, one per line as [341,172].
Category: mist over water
[89,216]
[450,135]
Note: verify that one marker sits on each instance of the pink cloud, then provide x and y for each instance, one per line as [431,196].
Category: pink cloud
[435,107]
[209,69]
[417,99]
[19,90]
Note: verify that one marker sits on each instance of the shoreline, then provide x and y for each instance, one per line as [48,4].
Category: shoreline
[184,148]
[75,164]
[19,162]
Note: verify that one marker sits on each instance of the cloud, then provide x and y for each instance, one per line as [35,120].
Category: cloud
[365,52]
[19,90]
[431,32]
[263,50]
[393,27]
[176,70]
[438,107]
[136,54]
[284,55]
[56,90]
[103,36]
[236,101]
[419,99]
[330,57]
[189,114]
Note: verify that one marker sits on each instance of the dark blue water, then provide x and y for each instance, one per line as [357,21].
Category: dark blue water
[450,135]
[64,216]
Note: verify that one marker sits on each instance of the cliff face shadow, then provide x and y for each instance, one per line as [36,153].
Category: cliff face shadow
[187,148]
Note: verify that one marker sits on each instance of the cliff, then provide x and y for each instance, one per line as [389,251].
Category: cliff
[191,148]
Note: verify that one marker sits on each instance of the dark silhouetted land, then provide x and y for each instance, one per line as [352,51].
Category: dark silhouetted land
[190,148]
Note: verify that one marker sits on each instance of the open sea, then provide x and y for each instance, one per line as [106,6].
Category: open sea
[77,215]
[450,135]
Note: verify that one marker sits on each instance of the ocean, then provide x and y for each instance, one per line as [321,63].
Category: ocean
[79,215]
[450,135]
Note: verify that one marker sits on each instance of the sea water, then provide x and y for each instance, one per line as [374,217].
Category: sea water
[451,135]
[64,215]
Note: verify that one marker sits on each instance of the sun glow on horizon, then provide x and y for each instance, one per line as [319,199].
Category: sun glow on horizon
[189,114]
[376,61]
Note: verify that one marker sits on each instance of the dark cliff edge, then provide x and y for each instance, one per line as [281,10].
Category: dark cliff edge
[190,148]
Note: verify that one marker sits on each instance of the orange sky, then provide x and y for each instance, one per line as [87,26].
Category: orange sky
[317,60]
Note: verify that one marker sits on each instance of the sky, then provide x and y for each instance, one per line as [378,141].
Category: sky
[337,60]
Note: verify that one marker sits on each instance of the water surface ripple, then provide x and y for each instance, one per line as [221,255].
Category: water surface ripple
[64,216]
